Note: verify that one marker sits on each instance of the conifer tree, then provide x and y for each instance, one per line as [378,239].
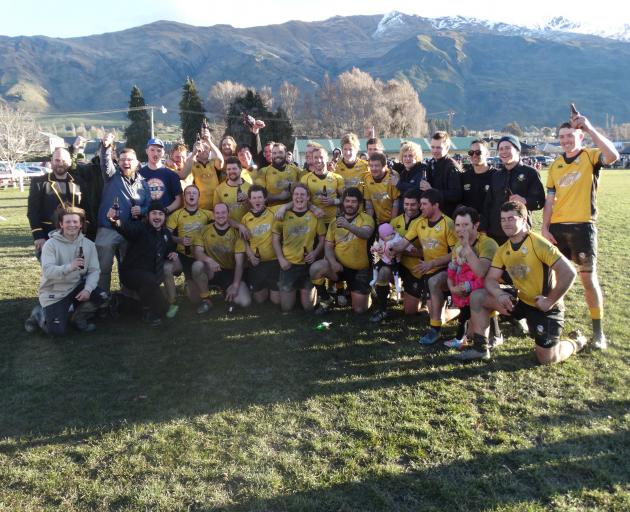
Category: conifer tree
[139,130]
[192,112]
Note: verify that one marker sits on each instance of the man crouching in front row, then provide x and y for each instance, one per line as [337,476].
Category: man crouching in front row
[541,276]
[68,290]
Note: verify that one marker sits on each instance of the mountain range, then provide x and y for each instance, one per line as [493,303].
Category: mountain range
[487,73]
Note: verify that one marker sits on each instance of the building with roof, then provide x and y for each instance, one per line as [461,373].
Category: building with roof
[459,145]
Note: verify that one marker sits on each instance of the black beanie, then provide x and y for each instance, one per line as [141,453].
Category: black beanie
[155,205]
[512,139]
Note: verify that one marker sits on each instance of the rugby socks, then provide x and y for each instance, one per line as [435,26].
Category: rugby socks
[596,318]
[436,325]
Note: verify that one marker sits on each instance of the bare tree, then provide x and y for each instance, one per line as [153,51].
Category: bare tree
[222,94]
[19,136]
[266,95]
[328,105]
[288,98]
[407,116]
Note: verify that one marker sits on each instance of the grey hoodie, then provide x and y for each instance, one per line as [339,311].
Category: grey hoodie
[57,278]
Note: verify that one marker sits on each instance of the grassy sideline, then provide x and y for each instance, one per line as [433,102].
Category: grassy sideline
[259,411]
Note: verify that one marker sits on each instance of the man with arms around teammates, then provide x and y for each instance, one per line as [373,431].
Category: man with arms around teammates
[184,224]
[414,292]
[436,233]
[325,187]
[350,167]
[278,177]
[541,277]
[346,252]
[233,191]
[263,271]
[381,194]
[220,254]
[571,210]
[298,241]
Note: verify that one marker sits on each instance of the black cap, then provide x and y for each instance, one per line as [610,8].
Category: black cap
[156,205]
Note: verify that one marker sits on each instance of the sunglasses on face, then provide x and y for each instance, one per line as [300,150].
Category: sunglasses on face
[474,152]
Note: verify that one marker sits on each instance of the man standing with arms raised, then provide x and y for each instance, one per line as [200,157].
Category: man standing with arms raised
[129,192]
[570,208]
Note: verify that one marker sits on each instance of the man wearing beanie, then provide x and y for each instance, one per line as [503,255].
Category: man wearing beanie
[142,269]
[514,181]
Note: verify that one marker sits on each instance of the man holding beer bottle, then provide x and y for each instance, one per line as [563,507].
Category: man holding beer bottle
[128,194]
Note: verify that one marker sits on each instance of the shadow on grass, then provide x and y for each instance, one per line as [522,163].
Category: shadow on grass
[487,481]
[126,372]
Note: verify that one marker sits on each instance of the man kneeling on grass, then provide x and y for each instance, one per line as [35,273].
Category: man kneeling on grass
[70,273]
[541,276]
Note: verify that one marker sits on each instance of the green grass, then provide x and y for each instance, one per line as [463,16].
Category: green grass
[259,411]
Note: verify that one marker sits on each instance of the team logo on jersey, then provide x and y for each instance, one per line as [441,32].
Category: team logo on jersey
[192,227]
[437,228]
[518,271]
[486,188]
[524,250]
[467,186]
[260,230]
[348,237]
[283,184]
[430,243]
[540,329]
[569,179]
[298,230]
[380,196]
[521,177]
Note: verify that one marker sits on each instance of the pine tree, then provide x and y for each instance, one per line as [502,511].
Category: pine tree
[192,112]
[139,130]
[278,127]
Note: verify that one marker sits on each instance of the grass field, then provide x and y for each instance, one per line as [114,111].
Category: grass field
[260,411]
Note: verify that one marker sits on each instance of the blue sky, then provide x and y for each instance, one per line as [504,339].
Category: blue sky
[64,18]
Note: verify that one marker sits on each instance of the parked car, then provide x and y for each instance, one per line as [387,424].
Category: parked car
[544,160]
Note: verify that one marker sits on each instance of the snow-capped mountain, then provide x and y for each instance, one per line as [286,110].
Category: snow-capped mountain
[559,28]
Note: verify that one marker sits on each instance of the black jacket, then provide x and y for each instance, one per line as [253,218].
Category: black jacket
[522,180]
[46,195]
[147,249]
[475,187]
[446,176]
[409,179]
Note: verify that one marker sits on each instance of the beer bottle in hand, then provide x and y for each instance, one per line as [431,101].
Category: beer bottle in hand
[187,250]
[257,253]
[80,255]
[133,203]
[116,208]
